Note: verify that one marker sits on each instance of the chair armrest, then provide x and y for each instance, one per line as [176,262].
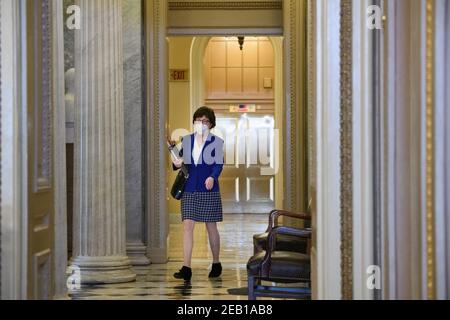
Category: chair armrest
[302,233]
[275,214]
[270,224]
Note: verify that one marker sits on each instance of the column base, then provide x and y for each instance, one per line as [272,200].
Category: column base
[107,269]
[136,252]
[158,255]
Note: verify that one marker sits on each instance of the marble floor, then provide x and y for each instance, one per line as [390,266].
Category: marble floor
[156,281]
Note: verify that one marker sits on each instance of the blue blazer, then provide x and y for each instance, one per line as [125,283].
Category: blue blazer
[210,163]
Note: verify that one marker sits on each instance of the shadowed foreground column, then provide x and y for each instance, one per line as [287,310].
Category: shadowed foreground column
[99,241]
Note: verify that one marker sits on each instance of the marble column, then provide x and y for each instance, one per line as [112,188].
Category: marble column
[134,131]
[99,244]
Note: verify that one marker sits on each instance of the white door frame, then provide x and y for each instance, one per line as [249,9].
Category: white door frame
[363,231]
[326,223]
[341,148]
[14,182]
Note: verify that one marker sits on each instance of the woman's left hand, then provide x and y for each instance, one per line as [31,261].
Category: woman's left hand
[209,183]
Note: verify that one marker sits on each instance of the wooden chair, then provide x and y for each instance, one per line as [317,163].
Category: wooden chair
[280,266]
[283,242]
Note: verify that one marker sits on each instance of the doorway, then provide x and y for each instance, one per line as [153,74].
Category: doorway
[244,87]
[288,38]
[239,77]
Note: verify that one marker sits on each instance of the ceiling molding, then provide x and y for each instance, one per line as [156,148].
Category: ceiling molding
[225,5]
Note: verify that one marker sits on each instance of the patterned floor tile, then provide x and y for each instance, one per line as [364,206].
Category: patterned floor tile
[156,281]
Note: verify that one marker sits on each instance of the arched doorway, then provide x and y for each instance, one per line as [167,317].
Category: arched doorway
[160,23]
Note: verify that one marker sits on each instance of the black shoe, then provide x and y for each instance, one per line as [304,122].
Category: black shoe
[216,270]
[185,273]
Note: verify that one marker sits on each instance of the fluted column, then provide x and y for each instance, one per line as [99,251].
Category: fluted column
[99,244]
[134,132]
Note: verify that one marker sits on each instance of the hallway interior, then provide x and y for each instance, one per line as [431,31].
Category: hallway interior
[327,110]
[156,281]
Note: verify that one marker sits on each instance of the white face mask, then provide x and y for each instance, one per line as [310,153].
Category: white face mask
[200,128]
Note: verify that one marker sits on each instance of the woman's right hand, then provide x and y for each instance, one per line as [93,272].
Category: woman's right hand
[177,163]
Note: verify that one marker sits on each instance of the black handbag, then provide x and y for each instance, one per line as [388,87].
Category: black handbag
[178,185]
[182,176]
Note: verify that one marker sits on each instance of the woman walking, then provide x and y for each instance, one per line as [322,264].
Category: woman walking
[202,153]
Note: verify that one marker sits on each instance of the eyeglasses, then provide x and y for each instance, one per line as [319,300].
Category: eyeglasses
[203,121]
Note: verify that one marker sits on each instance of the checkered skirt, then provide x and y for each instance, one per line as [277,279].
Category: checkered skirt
[201,206]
